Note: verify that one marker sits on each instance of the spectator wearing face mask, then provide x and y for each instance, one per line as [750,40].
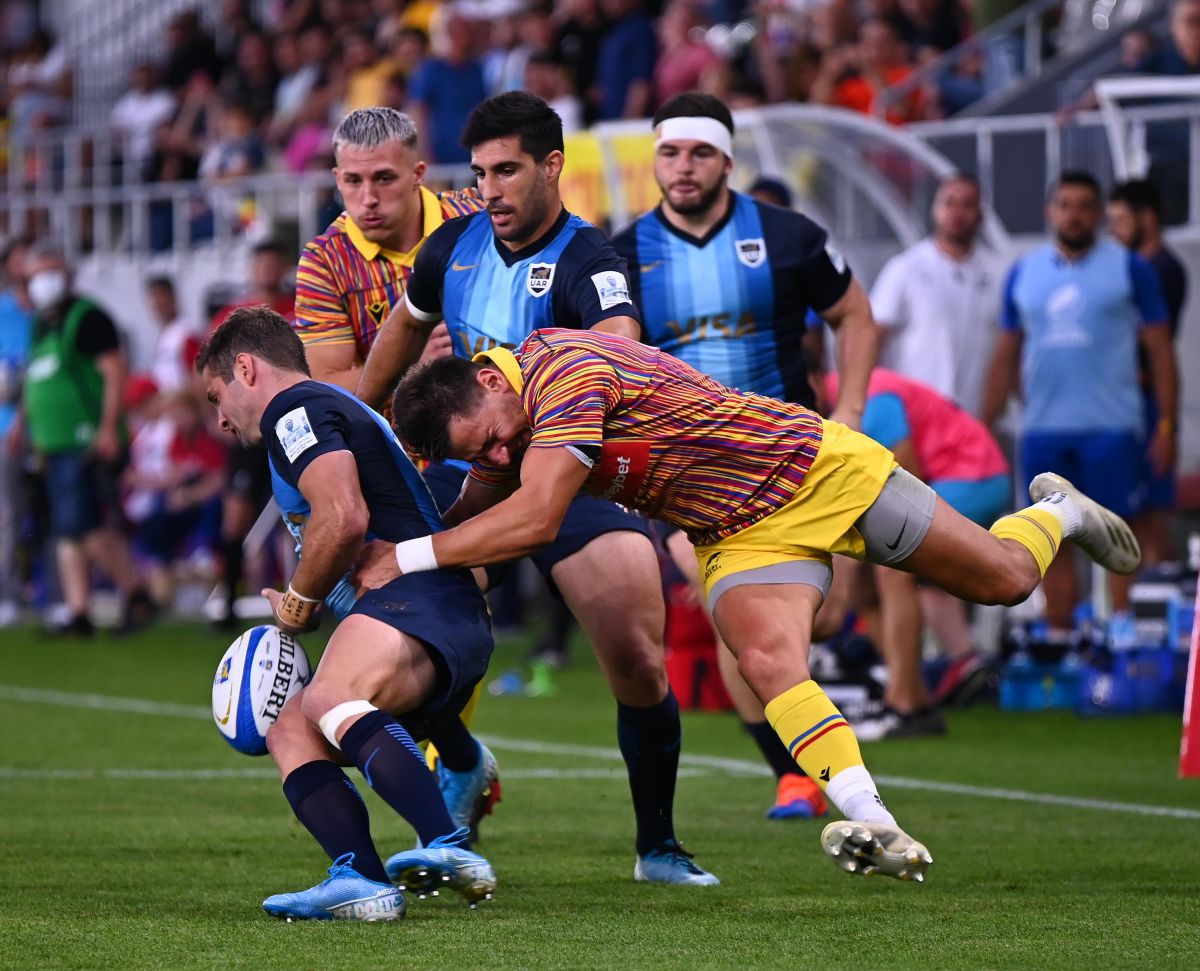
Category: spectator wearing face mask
[72,407]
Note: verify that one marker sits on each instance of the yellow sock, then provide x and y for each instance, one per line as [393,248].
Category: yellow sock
[466,715]
[1038,530]
[814,731]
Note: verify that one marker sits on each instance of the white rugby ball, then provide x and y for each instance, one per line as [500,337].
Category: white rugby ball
[260,671]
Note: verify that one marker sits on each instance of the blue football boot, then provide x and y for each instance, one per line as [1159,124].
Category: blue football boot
[469,796]
[444,864]
[345,895]
[671,863]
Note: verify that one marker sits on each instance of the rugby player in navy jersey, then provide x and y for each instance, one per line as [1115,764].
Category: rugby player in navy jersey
[403,659]
[725,283]
[494,277]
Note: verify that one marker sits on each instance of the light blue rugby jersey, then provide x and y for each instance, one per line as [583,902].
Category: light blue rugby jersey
[734,303]
[489,295]
[1080,321]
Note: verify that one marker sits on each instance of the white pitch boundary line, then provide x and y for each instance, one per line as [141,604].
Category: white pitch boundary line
[732,766]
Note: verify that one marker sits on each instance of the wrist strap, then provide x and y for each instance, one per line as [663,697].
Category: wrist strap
[295,609]
[416,555]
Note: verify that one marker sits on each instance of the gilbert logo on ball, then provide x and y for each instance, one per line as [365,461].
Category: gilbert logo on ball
[260,671]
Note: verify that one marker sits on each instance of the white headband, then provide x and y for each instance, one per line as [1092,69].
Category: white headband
[695,129]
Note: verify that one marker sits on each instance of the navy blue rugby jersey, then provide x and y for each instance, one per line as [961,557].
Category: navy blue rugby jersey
[312,419]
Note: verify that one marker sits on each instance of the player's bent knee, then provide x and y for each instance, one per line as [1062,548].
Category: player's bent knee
[764,665]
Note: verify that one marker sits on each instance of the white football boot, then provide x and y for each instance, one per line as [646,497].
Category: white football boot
[1104,536]
[875,849]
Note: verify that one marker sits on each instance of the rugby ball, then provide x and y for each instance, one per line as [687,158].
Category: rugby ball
[260,671]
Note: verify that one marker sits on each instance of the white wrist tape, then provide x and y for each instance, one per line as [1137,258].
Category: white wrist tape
[695,129]
[416,555]
[300,596]
[332,720]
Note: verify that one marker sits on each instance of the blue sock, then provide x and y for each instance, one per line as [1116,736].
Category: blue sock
[649,739]
[394,766]
[330,808]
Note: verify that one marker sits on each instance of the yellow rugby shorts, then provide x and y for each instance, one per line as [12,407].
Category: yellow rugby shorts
[846,477]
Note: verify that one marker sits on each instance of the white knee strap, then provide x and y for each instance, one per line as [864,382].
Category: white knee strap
[332,719]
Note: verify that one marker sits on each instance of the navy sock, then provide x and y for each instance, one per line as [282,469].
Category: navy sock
[773,750]
[394,767]
[649,739]
[330,808]
[456,746]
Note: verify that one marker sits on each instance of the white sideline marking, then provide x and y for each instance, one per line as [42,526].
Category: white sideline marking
[730,766]
[169,775]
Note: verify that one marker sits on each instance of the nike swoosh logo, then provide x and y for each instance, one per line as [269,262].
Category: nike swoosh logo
[228,708]
[647,267]
[455,266]
[892,546]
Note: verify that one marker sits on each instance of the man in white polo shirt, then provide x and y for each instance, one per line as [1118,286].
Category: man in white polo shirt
[938,302]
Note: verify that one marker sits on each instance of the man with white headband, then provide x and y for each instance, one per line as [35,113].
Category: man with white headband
[725,283]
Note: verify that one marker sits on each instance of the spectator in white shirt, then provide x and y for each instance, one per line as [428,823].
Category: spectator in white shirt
[139,113]
[938,302]
[178,340]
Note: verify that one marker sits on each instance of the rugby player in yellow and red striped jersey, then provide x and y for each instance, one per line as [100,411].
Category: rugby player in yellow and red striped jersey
[765,490]
[351,276]
[347,282]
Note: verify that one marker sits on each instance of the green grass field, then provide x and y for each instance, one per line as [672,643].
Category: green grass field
[137,839]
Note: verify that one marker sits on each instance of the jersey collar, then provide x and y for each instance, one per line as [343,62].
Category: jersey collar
[704,240]
[511,257]
[432,217]
[506,361]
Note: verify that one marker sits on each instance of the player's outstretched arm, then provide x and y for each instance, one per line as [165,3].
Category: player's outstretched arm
[335,363]
[397,346]
[1164,379]
[857,352]
[1003,372]
[514,527]
[528,519]
[474,499]
[332,537]
[621,326]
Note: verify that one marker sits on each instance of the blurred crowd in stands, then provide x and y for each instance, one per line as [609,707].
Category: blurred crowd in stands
[246,94]
[133,484]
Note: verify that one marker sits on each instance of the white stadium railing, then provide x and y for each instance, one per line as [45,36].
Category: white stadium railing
[869,182]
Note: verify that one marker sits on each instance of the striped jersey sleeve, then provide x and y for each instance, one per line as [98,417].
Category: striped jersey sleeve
[321,316]
[567,407]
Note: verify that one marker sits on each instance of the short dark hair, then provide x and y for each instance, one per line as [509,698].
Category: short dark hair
[1077,177]
[959,176]
[160,282]
[515,113]
[256,330]
[272,246]
[776,188]
[695,104]
[12,244]
[429,397]
[1140,195]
